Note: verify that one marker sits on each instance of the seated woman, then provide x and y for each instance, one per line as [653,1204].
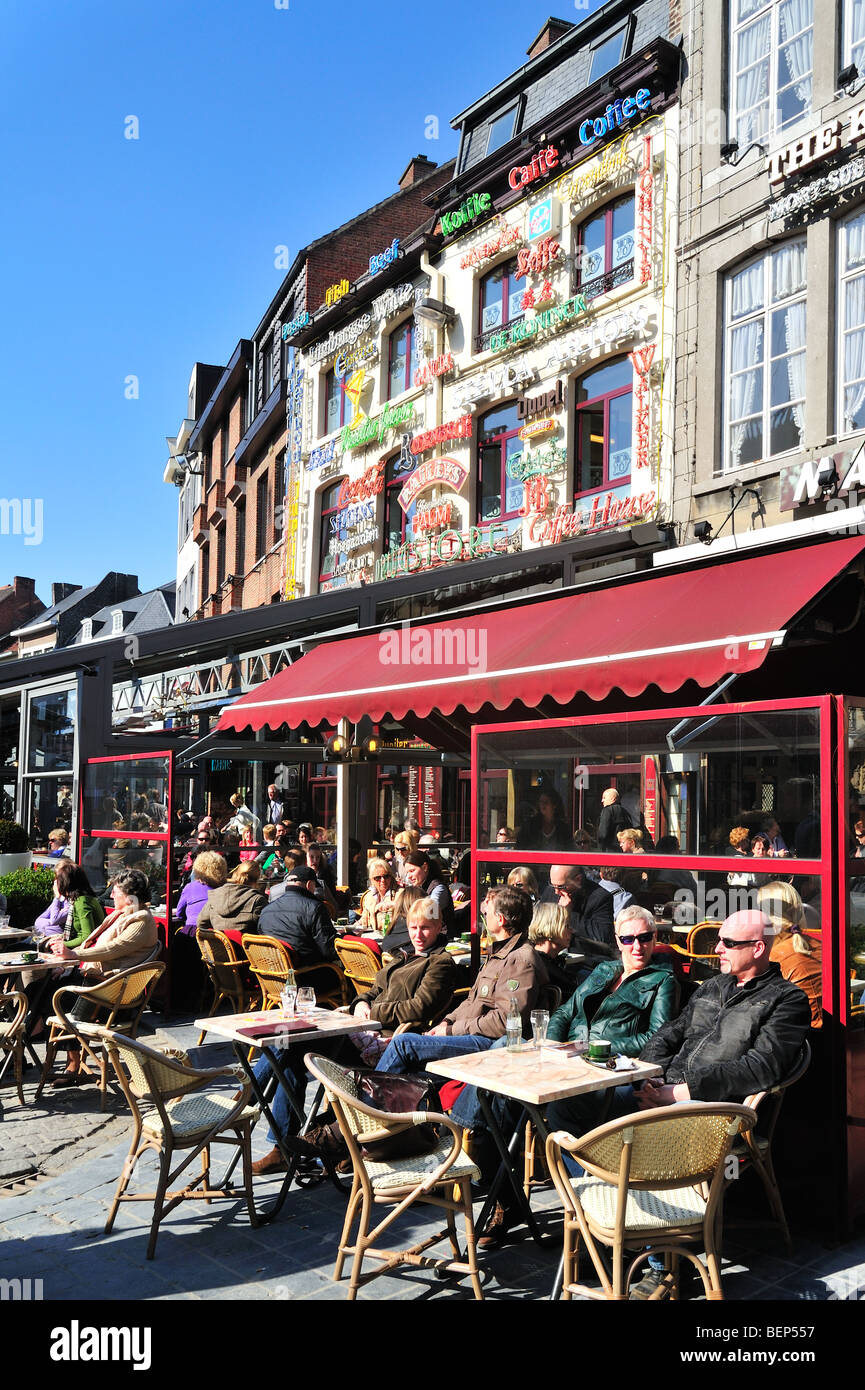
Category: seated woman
[85,910]
[405,843]
[324,880]
[624,1002]
[521,877]
[248,845]
[128,936]
[209,871]
[547,828]
[550,934]
[797,954]
[378,899]
[52,921]
[235,906]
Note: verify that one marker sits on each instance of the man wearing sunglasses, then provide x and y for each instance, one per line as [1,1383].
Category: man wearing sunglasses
[741,1032]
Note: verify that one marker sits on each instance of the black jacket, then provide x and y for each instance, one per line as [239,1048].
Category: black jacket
[531,836]
[595,921]
[611,820]
[729,1041]
[301,921]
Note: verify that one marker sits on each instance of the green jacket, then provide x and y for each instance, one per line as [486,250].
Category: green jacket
[627,1018]
[87,914]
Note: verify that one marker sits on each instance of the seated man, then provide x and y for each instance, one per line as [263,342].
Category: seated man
[590,907]
[300,920]
[514,970]
[740,1032]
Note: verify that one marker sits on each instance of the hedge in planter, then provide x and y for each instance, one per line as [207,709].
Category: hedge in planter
[27,892]
[13,838]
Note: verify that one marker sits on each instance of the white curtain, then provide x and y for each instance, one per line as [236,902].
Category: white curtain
[788,269]
[794,332]
[752,76]
[857,31]
[854,350]
[746,344]
[748,290]
[855,249]
[796,15]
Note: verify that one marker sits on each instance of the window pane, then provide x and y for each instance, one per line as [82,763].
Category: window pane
[10,726]
[619,462]
[748,290]
[607,55]
[515,304]
[592,239]
[498,422]
[513,490]
[604,380]
[787,381]
[785,432]
[491,483]
[590,427]
[491,299]
[748,442]
[52,732]
[399,345]
[501,130]
[128,788]
[623,231]
[333,403]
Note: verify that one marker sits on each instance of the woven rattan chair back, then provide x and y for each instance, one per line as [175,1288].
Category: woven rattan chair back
[12,1032]
[702,940]
[271,963]
[661,1149]
[442,1178]
[360,964]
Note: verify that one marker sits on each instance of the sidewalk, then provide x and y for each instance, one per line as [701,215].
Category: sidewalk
[54,1230]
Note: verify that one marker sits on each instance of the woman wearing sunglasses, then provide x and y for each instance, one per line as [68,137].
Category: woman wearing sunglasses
[623,1001]
[378,900]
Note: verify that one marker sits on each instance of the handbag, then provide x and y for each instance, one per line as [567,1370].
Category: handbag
[391,1092]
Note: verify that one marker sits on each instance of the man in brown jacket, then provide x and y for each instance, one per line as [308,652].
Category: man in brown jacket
[514,970]
[413,988]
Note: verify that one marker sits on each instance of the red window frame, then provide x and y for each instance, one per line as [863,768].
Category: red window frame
[325,513]
[611,276]
[502,441]
[510,285]
[330,380]
[582,407]
[392,488]
[408,327]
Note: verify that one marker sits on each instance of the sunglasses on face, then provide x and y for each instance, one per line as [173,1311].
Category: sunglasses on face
[642,940]
[730,945]
[380,878]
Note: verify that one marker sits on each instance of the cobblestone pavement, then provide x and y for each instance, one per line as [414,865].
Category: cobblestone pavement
[53,1229]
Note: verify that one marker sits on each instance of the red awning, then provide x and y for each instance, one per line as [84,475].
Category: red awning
[700,624]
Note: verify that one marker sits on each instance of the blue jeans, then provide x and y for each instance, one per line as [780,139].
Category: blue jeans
[284,1117]
[412,1051]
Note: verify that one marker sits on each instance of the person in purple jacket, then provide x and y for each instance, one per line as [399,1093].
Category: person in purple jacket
[208,871]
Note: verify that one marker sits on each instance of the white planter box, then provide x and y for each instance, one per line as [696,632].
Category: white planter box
[10,862]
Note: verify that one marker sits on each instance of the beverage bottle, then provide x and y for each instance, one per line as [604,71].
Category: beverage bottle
[514,1025]
[386,922]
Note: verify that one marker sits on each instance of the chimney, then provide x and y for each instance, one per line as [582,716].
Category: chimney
[23,586]
[552,30]
[417,168]
[61,591]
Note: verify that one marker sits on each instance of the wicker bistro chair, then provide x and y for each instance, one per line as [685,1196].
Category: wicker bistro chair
[754,1150]
[441,1178]
[272,963]
[173,1112]
[699,952]
[120,997]
[654,1184]
[359,963]
[226,974]
[12,1033]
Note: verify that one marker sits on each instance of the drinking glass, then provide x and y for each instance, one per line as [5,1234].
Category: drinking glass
[288,999]
[540,1020]
[305,1000]
[514,1030]
[4,923]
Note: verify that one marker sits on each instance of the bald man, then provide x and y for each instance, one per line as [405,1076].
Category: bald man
[741,1031]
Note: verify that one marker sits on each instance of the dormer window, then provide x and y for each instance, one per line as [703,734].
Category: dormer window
[87,630]
[502,129]
[116,621]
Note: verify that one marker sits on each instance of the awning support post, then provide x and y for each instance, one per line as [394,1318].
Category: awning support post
[342,804]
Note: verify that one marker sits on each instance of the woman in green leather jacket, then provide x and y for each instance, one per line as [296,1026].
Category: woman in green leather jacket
[625,1001]
[87,912]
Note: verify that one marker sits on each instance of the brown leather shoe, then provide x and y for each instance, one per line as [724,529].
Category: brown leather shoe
[498,1228]
[272,1162]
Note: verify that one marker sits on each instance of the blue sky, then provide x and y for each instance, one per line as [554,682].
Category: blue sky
[257,127]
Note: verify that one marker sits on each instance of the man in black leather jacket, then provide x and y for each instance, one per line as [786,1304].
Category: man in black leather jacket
[300,920]
[741,1032]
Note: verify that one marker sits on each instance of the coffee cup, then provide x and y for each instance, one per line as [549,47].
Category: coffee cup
[599,1051]
[29,957]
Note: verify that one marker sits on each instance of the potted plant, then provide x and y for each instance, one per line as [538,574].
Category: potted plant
[14,851]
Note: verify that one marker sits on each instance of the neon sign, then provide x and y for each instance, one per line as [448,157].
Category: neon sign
[528,328]
[297,323]
[441,470]
[377,263]
[437,367]
[442,434]
[618,113]
[334,293]
[644,212]
[548,459]
[604,512]
[443,549]
[541,405]
[369,484]
[376,428]
[467,212]
[432,518]
[537,260]
[537,427]
[508,236]
[641,360]
[322,456]
[541,164]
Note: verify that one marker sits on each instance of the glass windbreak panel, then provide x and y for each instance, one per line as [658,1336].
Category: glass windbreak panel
[703,785]
[52,731]
[8,790]
[102,859]
[131,794]
[856,953]
[10,731]
[50,808]
[856,785]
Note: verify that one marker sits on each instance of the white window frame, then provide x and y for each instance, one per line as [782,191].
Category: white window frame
[116,621]
[845,277]
[848,45]
[736,27]
[764,314]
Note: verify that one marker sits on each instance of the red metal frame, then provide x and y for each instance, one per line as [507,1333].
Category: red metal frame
[607,213]
[509,286]
[410,356]
[499,442]
[583,407]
